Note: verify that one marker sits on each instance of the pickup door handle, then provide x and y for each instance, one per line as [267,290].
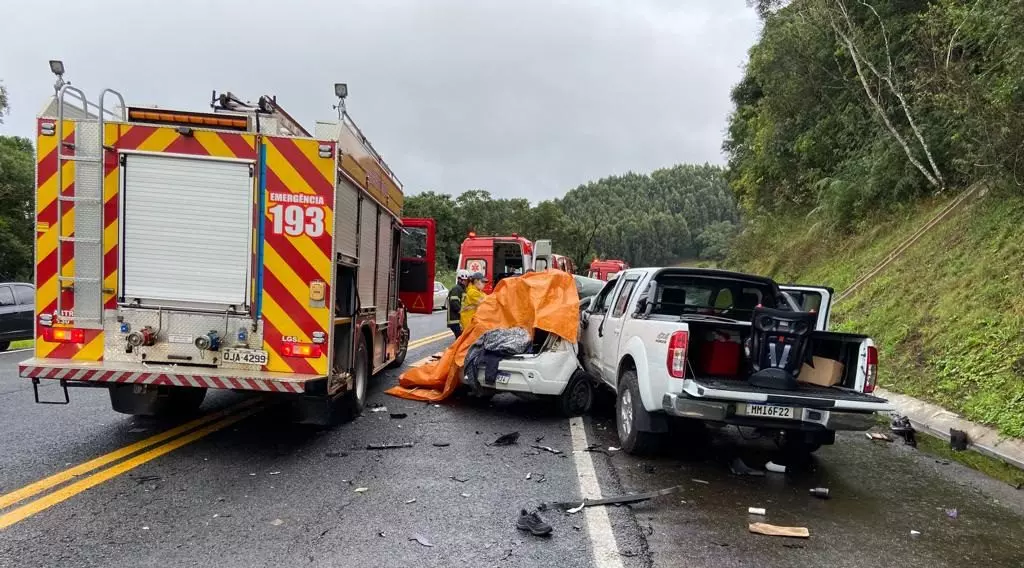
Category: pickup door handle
[617,331]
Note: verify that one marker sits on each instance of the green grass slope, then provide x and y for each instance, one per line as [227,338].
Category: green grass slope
[948,315]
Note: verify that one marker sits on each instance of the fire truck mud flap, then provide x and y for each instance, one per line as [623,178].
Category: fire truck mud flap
[102,373]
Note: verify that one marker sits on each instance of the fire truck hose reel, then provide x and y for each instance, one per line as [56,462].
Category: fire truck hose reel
[142,337]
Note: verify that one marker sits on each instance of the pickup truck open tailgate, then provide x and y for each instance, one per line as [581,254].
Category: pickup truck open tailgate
[807,396]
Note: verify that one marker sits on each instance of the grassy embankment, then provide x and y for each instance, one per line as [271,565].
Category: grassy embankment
[948,315]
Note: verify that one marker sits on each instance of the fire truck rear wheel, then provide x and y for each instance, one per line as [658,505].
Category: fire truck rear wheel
[354,400]
[403,347]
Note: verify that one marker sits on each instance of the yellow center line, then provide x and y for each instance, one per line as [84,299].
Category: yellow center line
[64,493]
[56,479]
[429,339]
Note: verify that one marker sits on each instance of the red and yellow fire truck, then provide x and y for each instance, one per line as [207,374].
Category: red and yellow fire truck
[180,251]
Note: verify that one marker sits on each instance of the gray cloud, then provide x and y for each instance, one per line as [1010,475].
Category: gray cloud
[526,98]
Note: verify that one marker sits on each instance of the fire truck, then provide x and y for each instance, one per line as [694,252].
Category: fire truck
[606,269]
[179,251]
[500,257]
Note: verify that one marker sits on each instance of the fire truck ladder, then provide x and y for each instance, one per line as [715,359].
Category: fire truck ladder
[87,154]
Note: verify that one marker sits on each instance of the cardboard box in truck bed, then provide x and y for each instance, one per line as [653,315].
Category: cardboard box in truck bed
[822,372]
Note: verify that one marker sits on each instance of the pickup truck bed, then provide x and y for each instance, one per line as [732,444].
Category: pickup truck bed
[824,397]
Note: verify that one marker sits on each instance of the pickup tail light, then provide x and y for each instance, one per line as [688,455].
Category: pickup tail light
[304,350]
[64,335]
[871,373]
[676,362]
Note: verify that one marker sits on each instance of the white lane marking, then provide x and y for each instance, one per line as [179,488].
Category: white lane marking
[599,527]
[17,350]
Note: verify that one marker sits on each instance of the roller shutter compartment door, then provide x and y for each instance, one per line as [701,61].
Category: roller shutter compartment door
[186,230]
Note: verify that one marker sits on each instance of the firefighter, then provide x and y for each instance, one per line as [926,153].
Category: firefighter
[472,298]
[455,302]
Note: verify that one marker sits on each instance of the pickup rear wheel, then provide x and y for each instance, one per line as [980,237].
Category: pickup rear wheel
[628,409]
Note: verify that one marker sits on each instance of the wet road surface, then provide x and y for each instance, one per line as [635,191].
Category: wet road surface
[265,492]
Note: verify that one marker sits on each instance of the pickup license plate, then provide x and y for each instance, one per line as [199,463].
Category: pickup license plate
[503,378]
[770,411]
[245,356]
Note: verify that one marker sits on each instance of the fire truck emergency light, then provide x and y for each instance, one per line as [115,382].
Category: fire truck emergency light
[57,67]
[340,89]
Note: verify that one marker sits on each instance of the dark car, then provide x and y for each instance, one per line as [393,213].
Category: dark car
[17,310]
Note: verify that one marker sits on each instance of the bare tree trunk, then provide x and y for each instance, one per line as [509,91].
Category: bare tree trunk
[855,55]
[887,78]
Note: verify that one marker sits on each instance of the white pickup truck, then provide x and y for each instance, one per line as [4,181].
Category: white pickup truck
[726,348]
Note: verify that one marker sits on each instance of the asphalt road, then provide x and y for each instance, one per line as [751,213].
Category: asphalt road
[265,492]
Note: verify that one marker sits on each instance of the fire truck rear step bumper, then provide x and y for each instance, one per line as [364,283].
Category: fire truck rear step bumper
[169,375]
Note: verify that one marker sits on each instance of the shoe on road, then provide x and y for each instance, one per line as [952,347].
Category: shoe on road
[533,523]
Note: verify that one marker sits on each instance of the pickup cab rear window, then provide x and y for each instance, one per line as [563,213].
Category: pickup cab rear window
[723,297]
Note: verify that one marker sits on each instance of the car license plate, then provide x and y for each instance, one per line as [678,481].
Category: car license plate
[503,378]
[770,411]
[245,356]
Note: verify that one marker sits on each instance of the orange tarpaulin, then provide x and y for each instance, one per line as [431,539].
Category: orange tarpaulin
[537,300]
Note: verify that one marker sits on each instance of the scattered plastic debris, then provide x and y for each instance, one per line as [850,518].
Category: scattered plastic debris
[362,489]
[389,446]
[613,449]
[506,439]
[547,449]
[915,533]
[529,476]
[775,530]
[145,528]
[757,511]
[952,513]
[901,426]
[596,448]
[275,473]
[466,495]
[441,444]
[410,501]
[820,492]
[575,510]
[701,481]
[739,467]
[793,546]
[958,440]
[382,534]
[277,522]
[421,539]
[538,439]
[457,478]
[775,468]
[379,408]
[541,478]
[878,436]
[399,415]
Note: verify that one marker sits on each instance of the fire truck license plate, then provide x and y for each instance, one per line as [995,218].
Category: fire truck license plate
[770,411]
[246,356]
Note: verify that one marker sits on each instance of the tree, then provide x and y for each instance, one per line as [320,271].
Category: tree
[17,178]
[4,107]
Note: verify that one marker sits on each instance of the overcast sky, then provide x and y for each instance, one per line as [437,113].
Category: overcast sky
[525,98]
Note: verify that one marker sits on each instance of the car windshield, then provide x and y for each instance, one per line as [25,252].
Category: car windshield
[679,295]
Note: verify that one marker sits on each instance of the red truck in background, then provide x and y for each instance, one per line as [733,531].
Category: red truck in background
[606,269]
[500,257]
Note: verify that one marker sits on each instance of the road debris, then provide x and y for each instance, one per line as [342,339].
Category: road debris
[901,426]
[541,478]
[441,444]
[793,546]
[410,501]
[466,495]
[547,449]
[275,473]
[506,439]
[507,555]
[398,415]
[756,511]
[819,492]
[146,479]
[538,439]
[701,481]
[275,522]
[878,436]
[529,476]
[915,533]
[459,479]
[362,489]
[775,530]
[619,499]
[958,440]
[337,454]
[145,528]
[389,446]
[952,513]
[775,468]
[377,407]
[739,467]
[575,510]
[421,539]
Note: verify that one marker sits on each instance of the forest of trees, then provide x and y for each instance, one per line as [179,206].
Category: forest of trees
[848,107]
[673,214]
